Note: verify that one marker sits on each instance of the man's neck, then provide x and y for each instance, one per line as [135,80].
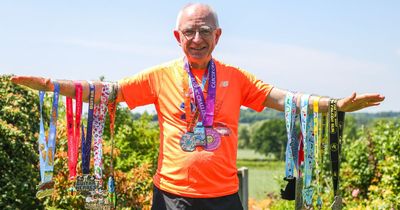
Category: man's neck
[199,65]
[196,66]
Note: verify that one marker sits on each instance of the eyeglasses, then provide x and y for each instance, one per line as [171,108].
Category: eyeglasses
[204,31]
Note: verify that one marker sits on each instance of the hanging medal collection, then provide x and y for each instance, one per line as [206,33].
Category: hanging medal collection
[304,152]
[91,186]
[200,131]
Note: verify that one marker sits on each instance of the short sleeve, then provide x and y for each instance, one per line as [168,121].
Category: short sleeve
[141,89]
[254,92]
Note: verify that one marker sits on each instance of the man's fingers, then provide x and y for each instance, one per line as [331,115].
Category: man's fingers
[370,97]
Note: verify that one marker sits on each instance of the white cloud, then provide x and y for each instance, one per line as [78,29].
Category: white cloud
[306,69]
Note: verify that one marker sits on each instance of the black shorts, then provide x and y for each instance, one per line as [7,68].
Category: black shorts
[166,201]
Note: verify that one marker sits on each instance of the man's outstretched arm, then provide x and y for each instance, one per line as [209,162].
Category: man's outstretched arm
[354,102]
[67,87]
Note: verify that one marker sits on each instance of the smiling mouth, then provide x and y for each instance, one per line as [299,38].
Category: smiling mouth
[198,48]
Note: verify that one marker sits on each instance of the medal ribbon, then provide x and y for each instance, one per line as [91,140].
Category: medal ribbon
[112,108]
[292,143]
[318,153]
[100,110]
[73,129]
[307,129]
[47,148]
[206,107]
[191,120]
[336,123]
[87,142]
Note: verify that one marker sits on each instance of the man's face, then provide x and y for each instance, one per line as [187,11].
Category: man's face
[197,35]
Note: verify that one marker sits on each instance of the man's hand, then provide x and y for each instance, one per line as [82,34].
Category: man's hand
[37,83]
[357,102]
[67,87]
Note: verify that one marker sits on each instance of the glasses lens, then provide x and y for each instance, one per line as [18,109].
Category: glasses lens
[204,31]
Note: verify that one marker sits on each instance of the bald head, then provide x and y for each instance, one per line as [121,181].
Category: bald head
[196,10]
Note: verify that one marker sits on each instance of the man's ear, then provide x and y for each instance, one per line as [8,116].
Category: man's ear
[217,35]
[177,36]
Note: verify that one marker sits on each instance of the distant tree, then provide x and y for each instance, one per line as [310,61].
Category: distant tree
[251,116]
[244,136]
[270,138]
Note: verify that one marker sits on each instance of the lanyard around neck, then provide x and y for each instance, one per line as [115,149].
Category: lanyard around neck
[205,106]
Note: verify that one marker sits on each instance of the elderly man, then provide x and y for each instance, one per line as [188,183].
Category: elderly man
[198,100]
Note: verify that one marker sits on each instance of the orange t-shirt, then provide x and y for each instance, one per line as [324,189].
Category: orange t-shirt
[197,174]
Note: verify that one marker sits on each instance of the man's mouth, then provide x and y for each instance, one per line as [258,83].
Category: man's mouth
[197,48]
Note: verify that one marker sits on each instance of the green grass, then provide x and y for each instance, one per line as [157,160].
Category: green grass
[248,154]
[264,175]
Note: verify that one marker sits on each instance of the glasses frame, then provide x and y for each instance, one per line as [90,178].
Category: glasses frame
[202,33]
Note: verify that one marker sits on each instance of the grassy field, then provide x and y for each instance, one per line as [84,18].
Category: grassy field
[264,175]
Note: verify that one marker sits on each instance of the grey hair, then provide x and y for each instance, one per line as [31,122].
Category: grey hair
[212,11]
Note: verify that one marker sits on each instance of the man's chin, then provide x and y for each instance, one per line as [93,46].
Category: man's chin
[198,57]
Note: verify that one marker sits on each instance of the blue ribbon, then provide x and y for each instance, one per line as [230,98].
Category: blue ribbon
[308,138]
[48,148]
[292,143]
[87,142]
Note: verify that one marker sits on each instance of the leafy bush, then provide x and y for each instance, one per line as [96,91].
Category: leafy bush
[133,171]
[19,122]
[372,167]
[134,157]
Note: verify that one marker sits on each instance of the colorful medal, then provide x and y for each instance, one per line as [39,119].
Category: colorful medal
[188,139]
[188,142]
[47,148]
[213,139]
[112,196]
[200,134]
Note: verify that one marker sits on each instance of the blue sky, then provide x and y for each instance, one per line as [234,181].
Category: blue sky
[327,48]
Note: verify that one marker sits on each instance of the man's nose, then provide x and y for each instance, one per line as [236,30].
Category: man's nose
[197,37]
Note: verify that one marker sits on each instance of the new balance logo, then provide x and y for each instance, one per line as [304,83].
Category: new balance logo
[224,84]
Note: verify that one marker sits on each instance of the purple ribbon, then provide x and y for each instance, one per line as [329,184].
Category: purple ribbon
[207,106]
[87,142]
